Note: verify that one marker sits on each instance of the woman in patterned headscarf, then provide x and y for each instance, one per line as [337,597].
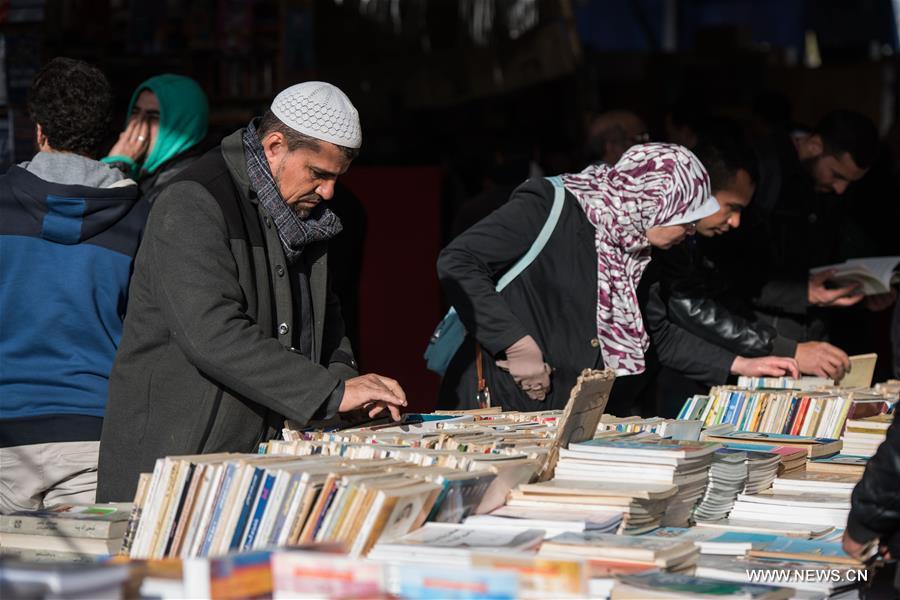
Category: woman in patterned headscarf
[576,306]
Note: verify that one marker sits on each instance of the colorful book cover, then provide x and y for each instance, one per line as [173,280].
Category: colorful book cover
[739,537]
[240,575]
[320,575]
[440,583]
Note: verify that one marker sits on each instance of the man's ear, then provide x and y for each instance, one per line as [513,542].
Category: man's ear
[40,138]
[275,146]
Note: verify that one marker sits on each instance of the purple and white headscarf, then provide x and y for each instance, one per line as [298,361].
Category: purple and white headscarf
[651,185]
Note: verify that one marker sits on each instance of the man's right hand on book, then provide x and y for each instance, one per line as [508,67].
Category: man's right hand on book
[820,295]
[822,360]
[765,366]
[373,393]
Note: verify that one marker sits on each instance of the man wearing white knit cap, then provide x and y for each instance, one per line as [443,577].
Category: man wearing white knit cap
[231,325]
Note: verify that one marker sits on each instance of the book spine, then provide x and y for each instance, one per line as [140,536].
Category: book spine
[217,510]
[785,426]
[147,524]
[841,419]
[263,501]
[177,513]
[800,416]
[249,501]
[286,507]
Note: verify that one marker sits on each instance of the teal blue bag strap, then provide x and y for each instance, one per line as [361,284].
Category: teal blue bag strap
[559,196]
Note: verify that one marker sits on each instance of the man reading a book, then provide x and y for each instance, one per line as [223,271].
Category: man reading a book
[793,224]
[232,326]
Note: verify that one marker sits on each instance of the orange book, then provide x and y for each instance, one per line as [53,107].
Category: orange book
[801,414]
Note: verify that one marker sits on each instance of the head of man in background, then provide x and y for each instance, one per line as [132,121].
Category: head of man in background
[611,133]
[732,166]
[839,150]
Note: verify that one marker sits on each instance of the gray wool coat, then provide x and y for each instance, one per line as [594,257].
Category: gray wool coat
[206,362]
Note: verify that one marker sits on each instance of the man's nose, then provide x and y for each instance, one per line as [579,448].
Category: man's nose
[839,187]
[326,190]
[735,221]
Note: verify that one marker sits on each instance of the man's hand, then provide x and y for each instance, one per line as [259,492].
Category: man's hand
[373,393]
[134,141]
[822,360]
[857,550]
[766,366]
[819,295]
[880,302]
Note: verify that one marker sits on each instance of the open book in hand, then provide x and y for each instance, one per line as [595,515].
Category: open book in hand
[874,275]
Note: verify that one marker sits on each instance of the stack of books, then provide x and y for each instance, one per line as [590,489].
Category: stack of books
[727,478]
[839,463]
[863,436]
[684,464]
[678,585]
[813,447]
[641,504]
[65,532]
[552,521]
[733,569]
[816,483]
[644,551]
[453,545]
[760,526]
[793,507]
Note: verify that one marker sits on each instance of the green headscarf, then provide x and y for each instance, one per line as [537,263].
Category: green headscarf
[183,116]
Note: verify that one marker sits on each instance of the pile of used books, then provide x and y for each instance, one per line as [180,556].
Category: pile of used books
[209,505]
[793,507]
[684,464]
[863,436]
[64,532]
[786,406]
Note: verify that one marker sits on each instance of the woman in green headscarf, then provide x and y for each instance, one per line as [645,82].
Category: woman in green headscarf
[167,117]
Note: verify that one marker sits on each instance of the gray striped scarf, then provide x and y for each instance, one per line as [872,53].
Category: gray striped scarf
[295,233]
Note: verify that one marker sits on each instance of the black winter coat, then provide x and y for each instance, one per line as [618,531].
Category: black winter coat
[554,300]
[207,361]
[875,504]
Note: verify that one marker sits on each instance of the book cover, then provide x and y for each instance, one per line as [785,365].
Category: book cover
[104,521]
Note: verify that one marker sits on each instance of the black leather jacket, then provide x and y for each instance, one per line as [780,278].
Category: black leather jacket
[875,505]
[696,303]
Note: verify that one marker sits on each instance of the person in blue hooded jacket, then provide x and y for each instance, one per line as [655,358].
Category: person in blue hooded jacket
[70,229]
[168,116]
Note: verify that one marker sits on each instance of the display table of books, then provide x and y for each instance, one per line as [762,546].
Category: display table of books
[486,504]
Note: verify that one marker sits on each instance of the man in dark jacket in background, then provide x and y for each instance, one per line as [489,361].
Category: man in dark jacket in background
[875,504]
[69,231]
[794,225]
[700,334]
[233,327]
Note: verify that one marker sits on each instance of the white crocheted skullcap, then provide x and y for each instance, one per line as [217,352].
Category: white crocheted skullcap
[319,110]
